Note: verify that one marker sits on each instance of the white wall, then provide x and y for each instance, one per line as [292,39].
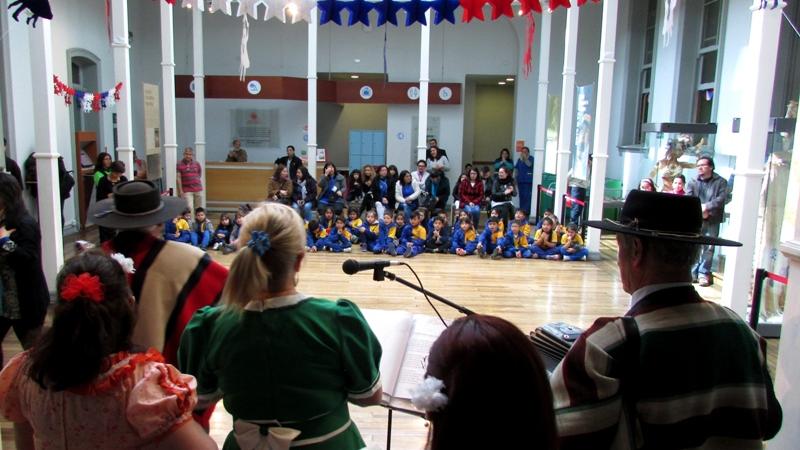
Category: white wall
[399,139]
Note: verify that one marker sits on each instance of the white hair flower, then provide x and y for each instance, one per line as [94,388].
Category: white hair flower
[126,263]
[428,395]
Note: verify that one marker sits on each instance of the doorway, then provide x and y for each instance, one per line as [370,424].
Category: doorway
[84,70]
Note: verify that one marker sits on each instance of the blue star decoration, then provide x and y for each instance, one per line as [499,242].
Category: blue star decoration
[359,12]
[445,10]
[330,11]
[387,11]
[415,11]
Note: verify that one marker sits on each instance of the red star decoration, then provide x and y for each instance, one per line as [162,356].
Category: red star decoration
[526,6]
[554,4]
[473,9]
[501,8]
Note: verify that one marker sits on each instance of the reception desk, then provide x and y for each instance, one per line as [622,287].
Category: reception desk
[229,184]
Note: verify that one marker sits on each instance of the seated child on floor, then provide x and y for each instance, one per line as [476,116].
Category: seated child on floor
[572,248]
[521,217]
[223,232]
[439,237]
[415,243]
[496,214]
[388,238]
[457,222]
[489,240]
[315,236]
[327,220]
[465,239]
[355,226]
[339,239]
[545,241]
[370,237]
[515,243]
[202,229]
[179,228]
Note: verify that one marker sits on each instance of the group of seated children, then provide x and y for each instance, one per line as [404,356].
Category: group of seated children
[395,234]
[200,231]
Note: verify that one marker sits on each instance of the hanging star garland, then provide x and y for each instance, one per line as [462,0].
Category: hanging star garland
[445,10]
[387,12]
[501,8]
[526,6]
[330,11]
[87,101]
[248,7]
[554,4]
[415,11]
[224,6]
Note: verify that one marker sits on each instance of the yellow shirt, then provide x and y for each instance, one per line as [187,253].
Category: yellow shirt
[525,229]
[577,241]
[501,227]
[356,223]
[497,235]
[553,236]
[470,235]
[181,225]
[520,240]
[374,228]
[419,232]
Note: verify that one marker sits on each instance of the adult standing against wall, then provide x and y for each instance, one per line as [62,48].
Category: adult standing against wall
[24,296]
[291,161]
[437,161]
[190,181]
[503,190]
[504,161]
[524,176]
[712,190]
[237,153]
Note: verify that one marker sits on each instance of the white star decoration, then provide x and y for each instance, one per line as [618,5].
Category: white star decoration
[220,5]
[295,10]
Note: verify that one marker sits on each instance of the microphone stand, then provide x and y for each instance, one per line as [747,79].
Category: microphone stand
[379,274]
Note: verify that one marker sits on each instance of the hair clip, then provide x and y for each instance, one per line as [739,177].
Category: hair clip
[126,263]
[428,395]
[259,242]
[84,285]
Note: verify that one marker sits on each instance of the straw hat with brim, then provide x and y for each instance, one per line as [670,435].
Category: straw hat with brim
[658,215]
[135,204]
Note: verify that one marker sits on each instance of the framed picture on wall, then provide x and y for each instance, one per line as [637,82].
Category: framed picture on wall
[322,155]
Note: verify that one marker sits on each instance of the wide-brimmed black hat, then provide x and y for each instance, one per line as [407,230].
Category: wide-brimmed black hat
[658,215]
[135,204]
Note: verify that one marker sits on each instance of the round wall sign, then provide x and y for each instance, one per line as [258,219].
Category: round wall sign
[365,92]
[254,87]
[413,93]
[445,93]
[191,86]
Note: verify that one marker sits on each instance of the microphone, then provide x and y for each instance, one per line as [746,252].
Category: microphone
[351,266]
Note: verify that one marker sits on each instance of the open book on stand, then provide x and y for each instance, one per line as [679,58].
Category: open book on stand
[553,340]
[406,340]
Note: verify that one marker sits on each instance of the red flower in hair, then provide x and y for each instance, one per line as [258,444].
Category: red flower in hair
[82,286]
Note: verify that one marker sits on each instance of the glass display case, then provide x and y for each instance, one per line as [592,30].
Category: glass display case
[668,150]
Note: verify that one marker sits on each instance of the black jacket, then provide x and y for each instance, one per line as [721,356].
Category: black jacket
[293,165]
[26,261]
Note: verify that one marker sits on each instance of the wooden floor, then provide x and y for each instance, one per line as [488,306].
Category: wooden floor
[525,292]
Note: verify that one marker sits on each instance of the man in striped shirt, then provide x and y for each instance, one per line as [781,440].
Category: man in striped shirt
[676,371]
[190,183]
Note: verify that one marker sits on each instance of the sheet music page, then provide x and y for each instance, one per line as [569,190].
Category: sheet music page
[392,328]
[425,331]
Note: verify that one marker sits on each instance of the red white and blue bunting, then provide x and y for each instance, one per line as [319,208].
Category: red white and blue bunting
[87,101]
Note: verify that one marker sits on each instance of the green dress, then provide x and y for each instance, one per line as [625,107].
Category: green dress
[288,361]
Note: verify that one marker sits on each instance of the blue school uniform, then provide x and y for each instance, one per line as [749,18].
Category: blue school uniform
[467,241]
[515,243]
[490,240]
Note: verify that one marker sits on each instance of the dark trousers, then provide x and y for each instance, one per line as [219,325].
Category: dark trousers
[703,266]
[506,213]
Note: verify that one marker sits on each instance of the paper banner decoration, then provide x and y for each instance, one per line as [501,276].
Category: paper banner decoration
[37,8]
[88,101]
[296,10]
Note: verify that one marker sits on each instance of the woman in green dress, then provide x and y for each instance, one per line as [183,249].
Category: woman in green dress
[284,364]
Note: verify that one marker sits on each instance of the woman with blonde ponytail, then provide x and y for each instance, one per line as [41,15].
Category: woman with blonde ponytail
[286,364]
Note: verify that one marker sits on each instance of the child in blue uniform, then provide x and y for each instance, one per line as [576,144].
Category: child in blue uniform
[339,239]
[572,248]
[387,241]
[439,237]
[515,243]
[415,243]
[355,226]
[545,241]
[370,241]
[315,236]
[465,239]
[489,240]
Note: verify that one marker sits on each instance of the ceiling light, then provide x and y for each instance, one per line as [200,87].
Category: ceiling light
[501,83]
[509,79]
[292,9]
[356,60]
[354,76]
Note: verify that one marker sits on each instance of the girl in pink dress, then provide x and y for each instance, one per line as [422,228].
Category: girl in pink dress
[82,386]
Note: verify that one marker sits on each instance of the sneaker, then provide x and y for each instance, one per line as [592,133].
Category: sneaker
[392,251]
[228,249]
[215,246]
[409,252]
[705,280]
[496,254]
[535,256]
[554,257]
[347,250]
[482,252]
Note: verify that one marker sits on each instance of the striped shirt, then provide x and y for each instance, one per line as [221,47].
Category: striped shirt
[190,173]
[676,372]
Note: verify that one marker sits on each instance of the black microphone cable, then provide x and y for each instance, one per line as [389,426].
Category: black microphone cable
[422,289]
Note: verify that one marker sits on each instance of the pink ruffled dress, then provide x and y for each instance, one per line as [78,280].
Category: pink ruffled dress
[136,401]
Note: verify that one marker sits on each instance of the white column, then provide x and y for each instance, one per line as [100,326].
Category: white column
[540,140]
[122,72]
[44,124]
[312,93]
[602,124]
[168,98]
[199,96]
[755,108]
[424,79]
[565,127]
